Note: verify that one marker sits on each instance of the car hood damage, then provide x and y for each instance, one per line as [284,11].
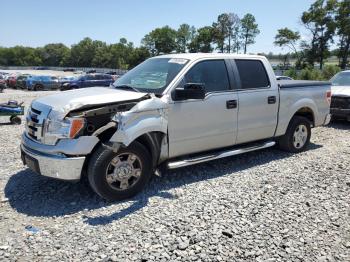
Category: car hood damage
[89,98]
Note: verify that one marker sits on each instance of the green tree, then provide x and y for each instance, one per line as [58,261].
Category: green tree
[202,42]
[343,31]
[137,56]
[53,54]
[249,30]
[160,41]
[234,27]
[221,31]
[83,53]
[288,38]
[184,36]
[319,20]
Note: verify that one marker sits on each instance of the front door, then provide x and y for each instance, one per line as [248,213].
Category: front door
[201,125]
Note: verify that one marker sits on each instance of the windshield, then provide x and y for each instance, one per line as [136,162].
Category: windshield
[341,79]
[152,76]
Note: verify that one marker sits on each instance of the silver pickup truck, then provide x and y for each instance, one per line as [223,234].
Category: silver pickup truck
[170,111]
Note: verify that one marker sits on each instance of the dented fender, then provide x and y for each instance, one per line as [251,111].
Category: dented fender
[147,116]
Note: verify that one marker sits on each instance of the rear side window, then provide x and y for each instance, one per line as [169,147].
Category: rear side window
[211,73]
[252,74]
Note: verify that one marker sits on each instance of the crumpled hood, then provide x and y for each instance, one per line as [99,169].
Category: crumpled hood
[66,101]
[341,90]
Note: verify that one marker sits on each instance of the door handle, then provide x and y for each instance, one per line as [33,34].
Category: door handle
[271,100]
[230,104]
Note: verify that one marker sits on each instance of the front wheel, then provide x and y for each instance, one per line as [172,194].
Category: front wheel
[298,135]
[121,175]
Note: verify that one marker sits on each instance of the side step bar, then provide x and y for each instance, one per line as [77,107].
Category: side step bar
[218,155]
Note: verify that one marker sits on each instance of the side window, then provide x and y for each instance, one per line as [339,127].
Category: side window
[252,74]
[211,73]
[90,77]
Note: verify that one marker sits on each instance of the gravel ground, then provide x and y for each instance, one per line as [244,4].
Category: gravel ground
[261,206]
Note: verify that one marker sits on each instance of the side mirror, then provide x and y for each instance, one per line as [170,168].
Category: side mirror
[189,91]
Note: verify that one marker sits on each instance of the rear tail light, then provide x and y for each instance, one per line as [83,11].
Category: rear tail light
[329,96]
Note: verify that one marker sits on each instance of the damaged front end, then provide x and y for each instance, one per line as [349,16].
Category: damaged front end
[114,124]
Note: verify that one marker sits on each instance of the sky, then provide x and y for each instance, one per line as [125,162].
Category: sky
[39,22]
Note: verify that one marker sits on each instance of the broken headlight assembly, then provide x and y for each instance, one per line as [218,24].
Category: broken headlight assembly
[55,129]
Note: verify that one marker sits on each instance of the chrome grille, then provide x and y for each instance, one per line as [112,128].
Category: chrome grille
[35,119]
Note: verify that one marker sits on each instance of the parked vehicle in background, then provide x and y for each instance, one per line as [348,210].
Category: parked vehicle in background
[168,112]
[284,78]
[340,103]
[2,83]
[88,80]
[22,81]
[11,81]
[113,74]
[69,70]
[37,83]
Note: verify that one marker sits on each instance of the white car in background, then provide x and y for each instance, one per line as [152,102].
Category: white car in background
[340,102]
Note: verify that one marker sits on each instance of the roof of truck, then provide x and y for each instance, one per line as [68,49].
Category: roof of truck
[194,56]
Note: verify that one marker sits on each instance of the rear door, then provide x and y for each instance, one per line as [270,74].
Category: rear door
[201,125]
[258,101]
[90,81]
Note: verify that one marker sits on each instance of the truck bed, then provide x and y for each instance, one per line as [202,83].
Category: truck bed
[301,83]
[295,94]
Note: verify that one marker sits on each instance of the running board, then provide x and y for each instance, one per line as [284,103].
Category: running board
[218,155]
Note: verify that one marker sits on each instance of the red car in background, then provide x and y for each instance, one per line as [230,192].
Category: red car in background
[11,81]
[2,83]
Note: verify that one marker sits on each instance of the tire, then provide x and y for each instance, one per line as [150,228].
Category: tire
[101,168]
[297,137]
[38,87]
[15,120]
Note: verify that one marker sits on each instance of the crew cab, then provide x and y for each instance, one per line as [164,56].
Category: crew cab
[169,112]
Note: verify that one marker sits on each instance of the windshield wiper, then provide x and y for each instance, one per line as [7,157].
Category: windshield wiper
[127,87]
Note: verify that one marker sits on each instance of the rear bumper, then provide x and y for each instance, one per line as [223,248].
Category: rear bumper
[54,166]
[340,112]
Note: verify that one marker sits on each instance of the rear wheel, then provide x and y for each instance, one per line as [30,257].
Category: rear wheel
[121,175]
[298,135]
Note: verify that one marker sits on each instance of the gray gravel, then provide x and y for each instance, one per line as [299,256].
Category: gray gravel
[262,206]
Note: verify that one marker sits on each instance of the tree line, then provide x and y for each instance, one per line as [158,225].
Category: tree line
[228,34]
[328,22]
[87,53]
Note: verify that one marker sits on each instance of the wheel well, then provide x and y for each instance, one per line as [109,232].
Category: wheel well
[307,113]
[152,141]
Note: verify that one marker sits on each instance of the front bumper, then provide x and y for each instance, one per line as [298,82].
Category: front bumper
[54,166]
[64,161]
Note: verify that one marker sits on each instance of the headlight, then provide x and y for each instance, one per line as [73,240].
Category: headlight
[66,128]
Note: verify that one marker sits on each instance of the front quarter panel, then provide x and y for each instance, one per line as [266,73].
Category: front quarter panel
[147,116]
